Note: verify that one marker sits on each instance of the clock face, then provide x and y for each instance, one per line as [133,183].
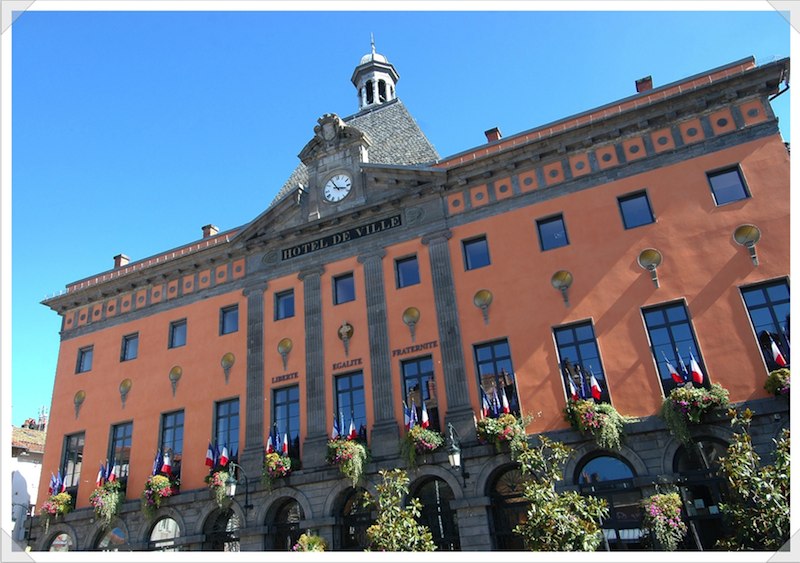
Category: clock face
[337,188]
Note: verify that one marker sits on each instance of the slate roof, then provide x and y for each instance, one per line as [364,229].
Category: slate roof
[396,139]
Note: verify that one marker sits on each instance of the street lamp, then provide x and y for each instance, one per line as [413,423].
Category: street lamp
[454,452]
[231,483]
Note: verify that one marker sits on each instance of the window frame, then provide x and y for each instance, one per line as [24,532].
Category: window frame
[223,314]
[125,352]
[547,220]
[72,479]
[630,197]
[172,329]
[83,352]
[782,342]
[465,243]
[285,426]
[725,170]
[335,283]
[577,343]
[513,398]
[115,441]
[421,377]
[399,283]
[352,390]
[279,297]
[232,447]
[165,445]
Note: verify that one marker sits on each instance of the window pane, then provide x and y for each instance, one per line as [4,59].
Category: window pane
[177,334]
[674,342]
[284,305]
[344,289]
[476,253]
[229,319]
[727,186]
[635,210]
[407,272]
[552,233]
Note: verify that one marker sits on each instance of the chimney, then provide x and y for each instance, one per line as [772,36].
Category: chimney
[644,84]
[120,260]
[493,134]
[209,231]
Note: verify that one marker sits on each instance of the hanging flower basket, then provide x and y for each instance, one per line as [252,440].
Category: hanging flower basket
[156,488]
[689,405]
[506,428]
[350,455]
[55,506]
[419,441]
[308,542]
[778,383]
[106,501]
[216,484]
[662,520]
[601,420]
[275,467]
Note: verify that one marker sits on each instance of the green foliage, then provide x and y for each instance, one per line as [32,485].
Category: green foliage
[309,542]
[106,501]
[156,488]
[216,483]
[757,511]
[505,428]
[396,528]
[350,455]
[688,405]
[419,440]
[56,505]
[601,420]
[778,382]
[566,521]
[662,519]
[275,466]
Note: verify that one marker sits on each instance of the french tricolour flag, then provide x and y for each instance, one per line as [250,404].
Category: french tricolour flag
[425,421]
[352,434]
[484,404]
[595,386]
[672,371]
[335,432]
[285,447]
[166,467]
[776,353]
[573,391]
[210,455]
[223,457]
[697,373]
[504,401]
[406,416]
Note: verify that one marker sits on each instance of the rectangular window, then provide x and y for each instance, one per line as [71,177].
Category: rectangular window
[579,358]
[85,356]
[552,232]
[284,304]
[476,253]
[229,319]
[636,210]
[130,347]
[119,454]
[344,289]
[496,375]
[727,186]
[177,333]
[768,307]
[419,386]
[672,340]
[72,460]
[350,403]
[226,424]
[407,270]
[286,417]
[172,439]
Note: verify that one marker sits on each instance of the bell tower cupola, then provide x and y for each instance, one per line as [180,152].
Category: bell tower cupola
[375,79]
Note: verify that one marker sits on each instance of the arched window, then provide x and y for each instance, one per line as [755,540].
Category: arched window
[436,496]
[370,93]
[381,90]
[113,540]
[356,518]
[62,542]
[286,526]
[222,531]
[509,508]
[611,477]
[163,534]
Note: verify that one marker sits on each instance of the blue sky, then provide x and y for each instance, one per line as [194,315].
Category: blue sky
[132,130]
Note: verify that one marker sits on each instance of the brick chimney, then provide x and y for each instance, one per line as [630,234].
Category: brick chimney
[644,84]
[120,260]
[493,134]
[209,231]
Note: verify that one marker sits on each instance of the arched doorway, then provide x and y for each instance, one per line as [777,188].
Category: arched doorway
[61,542]
[285,526]
[356,517]
[163,535]
[509,508]
[436,495]
[114,539]
[221,531]
[702,489]
[611,477]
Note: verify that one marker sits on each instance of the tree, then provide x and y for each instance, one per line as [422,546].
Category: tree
[757,513]
[566,521]
[396,528]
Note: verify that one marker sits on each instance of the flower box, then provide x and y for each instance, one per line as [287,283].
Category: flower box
[106,501]
[156,488]
[688,404]
[778,382]
[601,420]
[350,456]
[420,441]
[275,467]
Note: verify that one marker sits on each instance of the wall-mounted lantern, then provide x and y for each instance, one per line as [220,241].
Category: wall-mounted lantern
[284,347]
[227,361]
[411,318]
[482,299]
[562,280]
[748,236]
[174,376]
[650,259]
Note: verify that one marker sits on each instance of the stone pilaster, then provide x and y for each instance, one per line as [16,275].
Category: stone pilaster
[313,454]
[251,455]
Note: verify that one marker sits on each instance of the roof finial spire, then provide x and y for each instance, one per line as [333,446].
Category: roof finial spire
[372,42]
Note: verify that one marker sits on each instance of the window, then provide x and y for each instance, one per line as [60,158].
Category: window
[344,289]
[172,438]
[727,186]
[407,270]
[496,375]
[438,515]
[163,535]
[580,359]
[284,305]
[229,319]
[286,417]
[226,422]
[768,307]
[119,454]
[672,340]
[552,232]
[85,356]
[476,253]
[177,333]
[419,386]
[350,403]
[636,210]
[72,460]
[130,347]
